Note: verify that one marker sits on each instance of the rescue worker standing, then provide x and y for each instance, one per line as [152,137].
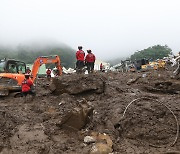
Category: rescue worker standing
[90,60]
[101,67]
[80,59]
[27,86]
[48,73]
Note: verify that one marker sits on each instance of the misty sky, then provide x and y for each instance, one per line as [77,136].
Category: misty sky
[111,28]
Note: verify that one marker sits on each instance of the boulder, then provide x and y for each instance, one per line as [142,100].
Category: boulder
[77,84]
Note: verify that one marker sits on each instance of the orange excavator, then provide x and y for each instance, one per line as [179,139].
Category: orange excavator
[12,72]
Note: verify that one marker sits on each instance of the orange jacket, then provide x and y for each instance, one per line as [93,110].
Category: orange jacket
[101,66]
[90,57]
[80,55]
[48,72]
[26,85]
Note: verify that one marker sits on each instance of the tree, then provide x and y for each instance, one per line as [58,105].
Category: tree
[152,53]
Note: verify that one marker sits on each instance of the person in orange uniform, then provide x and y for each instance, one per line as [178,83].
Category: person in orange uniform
[101,67]
[90,60]
[27,86]
[48,73]
[80,59]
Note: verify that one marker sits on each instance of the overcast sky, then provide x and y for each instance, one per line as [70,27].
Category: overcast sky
[111,28]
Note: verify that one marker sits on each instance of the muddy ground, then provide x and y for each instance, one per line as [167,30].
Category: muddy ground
[147,125]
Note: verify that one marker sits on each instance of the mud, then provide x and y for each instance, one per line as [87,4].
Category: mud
[146,127]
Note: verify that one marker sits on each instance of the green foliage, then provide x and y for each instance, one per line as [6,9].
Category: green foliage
[29,54]
[152,53]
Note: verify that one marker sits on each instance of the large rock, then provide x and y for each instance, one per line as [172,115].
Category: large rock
[100,148]
[78,117]
[78,84]
[103,144]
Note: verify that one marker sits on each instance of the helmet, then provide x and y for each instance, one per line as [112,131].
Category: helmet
[79,47]
[27,75]
[89,51]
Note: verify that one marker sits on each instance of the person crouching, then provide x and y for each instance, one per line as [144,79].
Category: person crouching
[48,73]
[27,86]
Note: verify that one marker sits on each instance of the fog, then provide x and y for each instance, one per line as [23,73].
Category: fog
[110,28]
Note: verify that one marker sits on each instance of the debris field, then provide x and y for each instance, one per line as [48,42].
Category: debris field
[99,113]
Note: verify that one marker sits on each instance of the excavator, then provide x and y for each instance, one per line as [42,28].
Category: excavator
[12,72]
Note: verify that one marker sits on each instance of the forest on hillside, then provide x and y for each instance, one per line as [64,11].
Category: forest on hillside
[151,53]
[28,54]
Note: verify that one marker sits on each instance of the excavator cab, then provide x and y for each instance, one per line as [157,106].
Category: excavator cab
[12,66]
[11,75]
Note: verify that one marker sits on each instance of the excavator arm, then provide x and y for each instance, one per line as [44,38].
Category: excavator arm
[46,60]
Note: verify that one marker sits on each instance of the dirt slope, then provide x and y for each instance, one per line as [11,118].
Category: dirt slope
[147,126]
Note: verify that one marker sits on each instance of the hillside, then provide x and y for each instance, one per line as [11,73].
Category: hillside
[28,53]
